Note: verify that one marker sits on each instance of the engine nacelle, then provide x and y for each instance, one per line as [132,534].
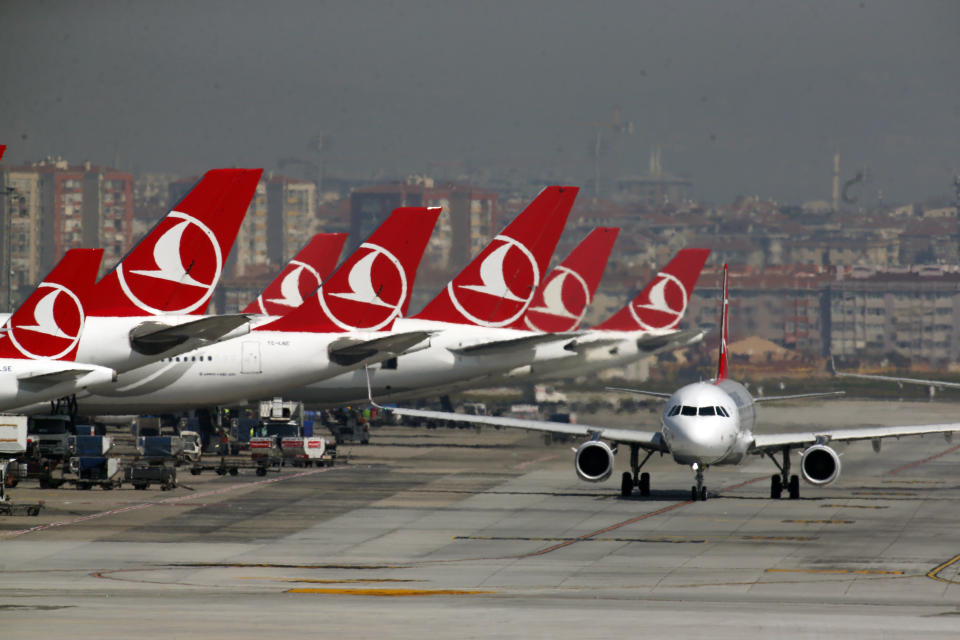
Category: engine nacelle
[594,461]
[820,464]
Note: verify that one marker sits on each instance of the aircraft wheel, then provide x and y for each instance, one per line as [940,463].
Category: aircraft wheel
[644,484]
[776,487]
[626,484]
[794,487]
[694,494]
[703,494]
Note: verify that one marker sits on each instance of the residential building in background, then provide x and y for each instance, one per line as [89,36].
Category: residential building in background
[52,206]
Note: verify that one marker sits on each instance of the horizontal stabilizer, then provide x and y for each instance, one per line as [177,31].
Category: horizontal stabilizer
[44,380]
[152,338]
[513,344]
[349,351]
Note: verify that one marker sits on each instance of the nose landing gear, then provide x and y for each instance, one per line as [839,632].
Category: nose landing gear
[698,492]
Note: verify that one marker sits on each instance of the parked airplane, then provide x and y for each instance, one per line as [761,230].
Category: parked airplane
[469,319]
[345,326]
[38,343]
[703,424]
[301,277]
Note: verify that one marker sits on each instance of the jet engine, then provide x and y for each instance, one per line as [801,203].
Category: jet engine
[594,461]
[820,464]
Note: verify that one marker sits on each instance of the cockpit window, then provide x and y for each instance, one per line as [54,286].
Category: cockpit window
[674,411]
[688,411]
[708,411]
[722,412]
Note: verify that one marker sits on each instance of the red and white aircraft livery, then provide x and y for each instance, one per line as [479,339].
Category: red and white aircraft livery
[38,342]
[150,305]
[301,277]
[645,326]
[469,320]
[346,325]
[562,299]
[705,424]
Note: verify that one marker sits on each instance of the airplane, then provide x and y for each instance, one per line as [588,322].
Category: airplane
[147,307]
[348,324]
[38,342]
[470,320]
[645,326]
[703,424]
[301,277]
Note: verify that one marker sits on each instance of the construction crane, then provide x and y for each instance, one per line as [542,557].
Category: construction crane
[615,130]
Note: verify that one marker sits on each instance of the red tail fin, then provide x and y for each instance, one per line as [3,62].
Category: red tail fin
[301,277]
[373,286]
[3,150]
[49,323]
[562,299]
[722,357]
[662,303]
[176,267]
[497,287]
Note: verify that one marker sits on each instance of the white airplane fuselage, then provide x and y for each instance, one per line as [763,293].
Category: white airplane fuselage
[428,370]
[258,365]
[696,430]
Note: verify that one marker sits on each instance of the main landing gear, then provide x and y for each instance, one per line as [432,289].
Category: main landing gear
[783,480]
[634,478]
[699,492]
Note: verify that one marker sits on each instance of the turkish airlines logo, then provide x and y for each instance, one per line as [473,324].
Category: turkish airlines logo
[509,277]
[665,306]
[200,273]
[55,325]
[377,290]
[563,303]
[293,288]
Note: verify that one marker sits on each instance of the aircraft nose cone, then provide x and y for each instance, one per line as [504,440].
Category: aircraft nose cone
[697,440]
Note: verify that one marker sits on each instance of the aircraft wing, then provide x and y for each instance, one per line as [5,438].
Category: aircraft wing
[648,343]
[152,338]
[512,344]
[350,351]
[927,383]
[651,440]
[641,392]
[799,396]
[767,442]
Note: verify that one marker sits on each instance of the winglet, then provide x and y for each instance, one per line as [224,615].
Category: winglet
[724,305]
[373,286]
[177,265]
[49,323]
[564,295]
[663,301]
[496,288]
[301,277]
[366,370]
[3,150]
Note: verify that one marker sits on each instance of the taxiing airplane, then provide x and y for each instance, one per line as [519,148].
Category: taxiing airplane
[38,342]
[703,424]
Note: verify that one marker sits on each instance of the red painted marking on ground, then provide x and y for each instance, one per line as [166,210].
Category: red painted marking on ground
[919,462]
[524,465]
[174,500]
[618,525]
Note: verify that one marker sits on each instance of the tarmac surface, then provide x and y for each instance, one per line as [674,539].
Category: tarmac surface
[457,534]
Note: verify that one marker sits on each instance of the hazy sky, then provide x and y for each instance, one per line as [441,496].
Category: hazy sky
[744,97]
